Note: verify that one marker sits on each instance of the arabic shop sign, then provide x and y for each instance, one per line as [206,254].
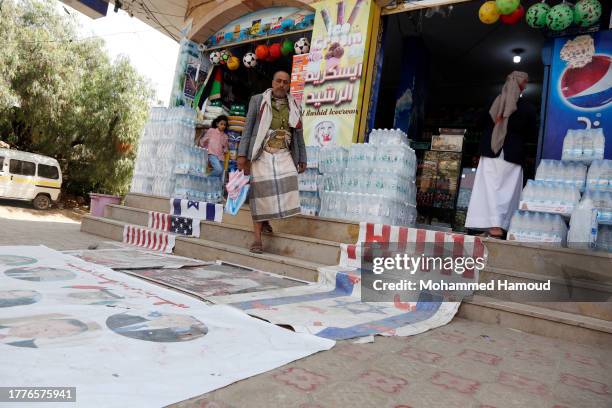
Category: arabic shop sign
[333,77]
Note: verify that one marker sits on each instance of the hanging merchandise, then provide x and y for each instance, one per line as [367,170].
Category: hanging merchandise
[287,47]
[536,15]
[488,12]
[233,63]
[262,52]
[513,17]
[302,46]
[275,51]
[587,12]
[507,6]
[215,57]
[249,60]
[225,56]
[560,17]
[215,90]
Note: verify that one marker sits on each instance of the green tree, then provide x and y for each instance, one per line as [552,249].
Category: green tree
[61,95]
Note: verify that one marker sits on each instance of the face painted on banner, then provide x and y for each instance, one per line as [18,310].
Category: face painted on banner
[42,330]
[40,274]
[9,298]
[14,260]
[158,327]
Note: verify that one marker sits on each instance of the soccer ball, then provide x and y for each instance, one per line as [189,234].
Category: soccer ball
[215,57]
[225,56]
[302,46]
[249,60]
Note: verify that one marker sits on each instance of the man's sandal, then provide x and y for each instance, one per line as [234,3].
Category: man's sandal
[256,248]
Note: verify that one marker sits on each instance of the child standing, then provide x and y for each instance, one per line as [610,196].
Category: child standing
[215,140]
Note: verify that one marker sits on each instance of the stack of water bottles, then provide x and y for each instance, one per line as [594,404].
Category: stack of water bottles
[168,163]
[371,182]
[583,145]
[550,197]
[556,171]
[308,181]
[529,226]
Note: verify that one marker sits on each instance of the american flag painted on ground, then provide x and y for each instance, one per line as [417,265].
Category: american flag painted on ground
[149,239]
[415,240]
[196,209]
[173,223]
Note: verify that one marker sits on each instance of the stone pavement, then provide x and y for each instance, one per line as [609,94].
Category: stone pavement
[463,364]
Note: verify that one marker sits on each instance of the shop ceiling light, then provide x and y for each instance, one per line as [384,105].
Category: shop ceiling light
[517,55]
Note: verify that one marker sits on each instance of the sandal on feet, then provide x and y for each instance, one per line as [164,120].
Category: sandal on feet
[256,248]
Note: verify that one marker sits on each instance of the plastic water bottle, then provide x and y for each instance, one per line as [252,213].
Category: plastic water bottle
[599,143]
[583,225]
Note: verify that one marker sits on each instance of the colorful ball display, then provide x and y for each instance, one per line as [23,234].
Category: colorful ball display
[488,12]
[249,60]
[302,46]
[513,17]
[536,15]
[262,52]
[233,63]
[275,51]
[560,17]
[587,12]
[507,6]
[287,47]
[215,57]
[225,56]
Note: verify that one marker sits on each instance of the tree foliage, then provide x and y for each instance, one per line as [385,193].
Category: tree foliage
[61,96]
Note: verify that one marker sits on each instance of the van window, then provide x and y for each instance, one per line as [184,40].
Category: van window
[24,168]
[49,172]
[1,162]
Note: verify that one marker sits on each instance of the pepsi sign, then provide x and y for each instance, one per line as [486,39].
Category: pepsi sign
[579,96]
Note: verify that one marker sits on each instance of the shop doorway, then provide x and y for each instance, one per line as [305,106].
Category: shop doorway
[442,68]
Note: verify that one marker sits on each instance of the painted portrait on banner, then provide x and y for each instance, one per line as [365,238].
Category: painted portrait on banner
[15,260]
[51,330]
[40,274]
[10,298]
[334,75]
[156,326]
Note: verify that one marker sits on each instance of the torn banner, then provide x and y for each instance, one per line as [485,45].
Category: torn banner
[175,224]
[149,239]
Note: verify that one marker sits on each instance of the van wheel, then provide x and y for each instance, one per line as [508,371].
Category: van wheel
[41,202]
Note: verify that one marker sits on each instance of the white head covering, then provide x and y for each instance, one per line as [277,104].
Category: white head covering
[504,106]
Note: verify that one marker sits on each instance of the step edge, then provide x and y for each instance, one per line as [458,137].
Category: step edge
[537,312]
[584,284]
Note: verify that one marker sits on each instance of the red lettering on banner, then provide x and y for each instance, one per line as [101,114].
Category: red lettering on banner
[585,384]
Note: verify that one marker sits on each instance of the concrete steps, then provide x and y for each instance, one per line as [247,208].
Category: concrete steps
[293,246]
[538,320]
[300,240]
[211,250]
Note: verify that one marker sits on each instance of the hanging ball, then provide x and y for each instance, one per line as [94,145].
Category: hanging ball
[233,63]
[560,17]
[249,60]
[587,12]
[507,6]
[536,15]
[225,56]
[276,51]
[215,57]
[302,46]
[262,52]
[287,47]
[513,17]
[488,12]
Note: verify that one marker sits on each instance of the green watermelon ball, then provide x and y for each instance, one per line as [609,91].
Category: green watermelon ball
[560,17]
[587,12]
[507,6]
[536,15]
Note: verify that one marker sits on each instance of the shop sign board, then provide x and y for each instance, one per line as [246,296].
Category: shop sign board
[335,74]
[579,91]
[262,23]
[297,76]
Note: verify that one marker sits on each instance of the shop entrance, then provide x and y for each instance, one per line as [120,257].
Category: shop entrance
[442,69]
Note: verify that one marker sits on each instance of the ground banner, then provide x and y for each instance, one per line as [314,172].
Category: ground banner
[333,308]
[121,341]
[175,224]
[132,258]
